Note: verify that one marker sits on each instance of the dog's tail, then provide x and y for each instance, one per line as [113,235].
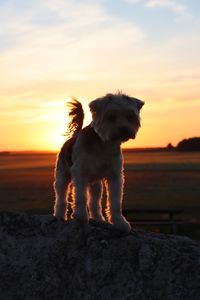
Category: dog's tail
[76,116]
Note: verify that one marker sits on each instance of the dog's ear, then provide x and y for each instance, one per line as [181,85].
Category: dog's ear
[139,104]
[99,104]
[95,105]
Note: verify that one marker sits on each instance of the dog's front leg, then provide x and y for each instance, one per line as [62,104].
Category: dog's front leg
[94,203]
[80,212]
[115,189]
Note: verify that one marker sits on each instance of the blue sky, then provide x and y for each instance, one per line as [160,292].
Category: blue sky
[53,49]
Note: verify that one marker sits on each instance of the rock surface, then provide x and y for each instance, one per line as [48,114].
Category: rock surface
[42,258]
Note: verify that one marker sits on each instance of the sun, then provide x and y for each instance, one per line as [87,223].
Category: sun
[52,133]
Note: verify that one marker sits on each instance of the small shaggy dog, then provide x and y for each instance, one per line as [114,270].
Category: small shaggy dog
[92,154]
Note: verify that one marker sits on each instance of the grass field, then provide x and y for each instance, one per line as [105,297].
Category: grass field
[152,180]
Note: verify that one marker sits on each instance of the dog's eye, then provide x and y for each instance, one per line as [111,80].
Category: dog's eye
[111,118]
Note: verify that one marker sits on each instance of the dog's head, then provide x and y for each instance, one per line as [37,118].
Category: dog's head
[116,117]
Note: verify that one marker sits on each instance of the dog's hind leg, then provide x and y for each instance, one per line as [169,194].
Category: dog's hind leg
[62,181]
[94,203]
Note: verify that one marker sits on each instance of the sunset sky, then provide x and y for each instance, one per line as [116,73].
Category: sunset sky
[51,50]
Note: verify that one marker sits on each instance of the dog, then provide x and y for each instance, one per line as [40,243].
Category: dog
[93,154]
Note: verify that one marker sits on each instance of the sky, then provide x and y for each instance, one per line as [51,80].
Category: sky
[51,50]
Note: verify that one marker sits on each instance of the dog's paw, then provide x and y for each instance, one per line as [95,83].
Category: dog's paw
[59,215]
[60,218]
[81,217]
[97,218]
[122,224]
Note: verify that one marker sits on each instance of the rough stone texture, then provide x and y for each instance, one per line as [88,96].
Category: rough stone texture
[42,258]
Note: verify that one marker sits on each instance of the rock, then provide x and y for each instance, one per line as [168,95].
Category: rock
[42,258]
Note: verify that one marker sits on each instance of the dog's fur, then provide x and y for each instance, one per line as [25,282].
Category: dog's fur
[92,154]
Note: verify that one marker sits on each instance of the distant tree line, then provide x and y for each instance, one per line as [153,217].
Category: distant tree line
[191,144]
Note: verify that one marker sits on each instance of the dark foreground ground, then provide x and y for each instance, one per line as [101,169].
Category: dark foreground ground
[42,258]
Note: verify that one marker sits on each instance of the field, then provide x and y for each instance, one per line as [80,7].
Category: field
[152,180]
[163,180]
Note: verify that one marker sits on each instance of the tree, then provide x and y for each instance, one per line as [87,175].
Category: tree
[191,144]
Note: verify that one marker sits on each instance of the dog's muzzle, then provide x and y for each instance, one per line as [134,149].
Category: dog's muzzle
[123,134]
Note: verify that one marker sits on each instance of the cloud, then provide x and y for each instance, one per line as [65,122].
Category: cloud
[178,8]
[69,46]
[173,5]
[134,1]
